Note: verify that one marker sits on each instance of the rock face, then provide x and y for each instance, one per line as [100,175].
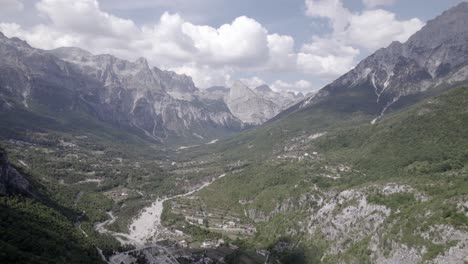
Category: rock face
[346,218]
[283,99]
[433,59]
[249,106]
[252,106]
[11,181]
[159,104]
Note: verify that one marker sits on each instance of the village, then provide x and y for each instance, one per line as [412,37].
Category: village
[192,211]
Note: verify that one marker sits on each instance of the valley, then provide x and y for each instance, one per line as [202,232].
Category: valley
[108,160]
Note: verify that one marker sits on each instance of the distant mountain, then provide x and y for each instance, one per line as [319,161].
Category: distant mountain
[283,99]
[160,104]
[253,106]
[432,60]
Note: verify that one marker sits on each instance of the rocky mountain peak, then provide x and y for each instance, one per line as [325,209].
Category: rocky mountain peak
[71,53]
[264,89]
[14,41]
[179,86]
[448,28]
[434,58]
[142,62]
[239,90]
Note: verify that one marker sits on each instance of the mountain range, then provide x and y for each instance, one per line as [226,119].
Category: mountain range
[160,105]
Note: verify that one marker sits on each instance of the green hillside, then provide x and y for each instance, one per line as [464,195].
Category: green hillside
[31,232]
[424,147]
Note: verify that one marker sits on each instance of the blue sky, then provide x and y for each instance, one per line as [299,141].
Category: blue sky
[296,45]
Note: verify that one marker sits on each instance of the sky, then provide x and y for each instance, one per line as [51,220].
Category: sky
[297,45]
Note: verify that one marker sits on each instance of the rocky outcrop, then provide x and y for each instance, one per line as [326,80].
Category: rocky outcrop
[248,106]
[11,181]
[283,99]
[342,219]
[252,106]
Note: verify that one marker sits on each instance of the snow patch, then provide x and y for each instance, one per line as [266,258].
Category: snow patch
[395,99]
[212,141]
[187,147]
[316,135]
[198,136]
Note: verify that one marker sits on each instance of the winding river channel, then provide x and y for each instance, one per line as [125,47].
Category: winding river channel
[146,228]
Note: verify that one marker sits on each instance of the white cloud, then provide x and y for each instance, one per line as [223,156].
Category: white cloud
[171,43]
[299,86]
[11,6]
[252,82]
[85,17]
[326,57]
[335,53]
[331,9]
[244,42]
[374,29]
[282,54]
[41,36]
[205,76]
[370,29]
[375,3]
[167,43]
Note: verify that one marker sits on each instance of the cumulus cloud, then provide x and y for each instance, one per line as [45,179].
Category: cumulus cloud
[334,10]
[282,54]
[370,29]
[205,76]
[243,42]
[299,86]
[374,29]
[171,43]
[335,53]
[326,57]
[252,82]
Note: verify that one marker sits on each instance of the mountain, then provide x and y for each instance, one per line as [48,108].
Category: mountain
[160,105]
[249,106]
[371,169]
[389,192]
[431,61]
[252,106]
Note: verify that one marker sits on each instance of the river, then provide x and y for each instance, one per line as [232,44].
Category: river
[146,228]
